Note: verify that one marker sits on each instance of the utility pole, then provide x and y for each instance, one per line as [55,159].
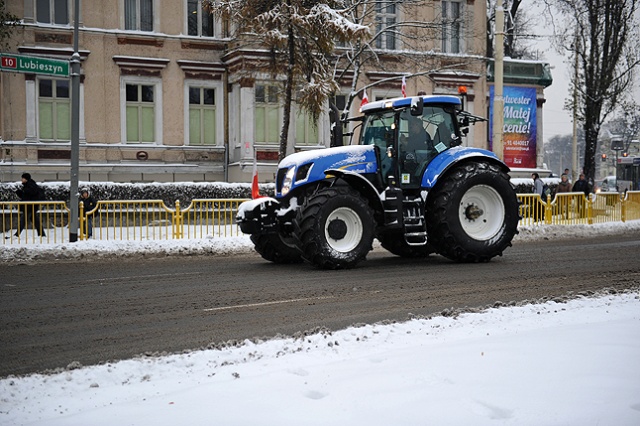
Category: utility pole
[498,99]
[574,146]
[75,128]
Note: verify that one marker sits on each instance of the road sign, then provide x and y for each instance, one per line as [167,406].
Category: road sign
[33,64]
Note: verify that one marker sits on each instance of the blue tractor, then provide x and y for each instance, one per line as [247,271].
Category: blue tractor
[408,183]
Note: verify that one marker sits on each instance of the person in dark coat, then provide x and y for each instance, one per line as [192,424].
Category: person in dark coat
[29,213]
[582,185]
[89,203]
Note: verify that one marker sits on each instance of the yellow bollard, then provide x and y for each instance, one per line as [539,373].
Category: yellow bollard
[177,222]
[548,213]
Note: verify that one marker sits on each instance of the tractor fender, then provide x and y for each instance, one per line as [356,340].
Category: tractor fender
[360,184]
[443,162]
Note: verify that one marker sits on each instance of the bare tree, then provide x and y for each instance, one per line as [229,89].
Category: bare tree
[626,125]
[604,36]
[519,30]
[300,36]
[558,152]
[409,42]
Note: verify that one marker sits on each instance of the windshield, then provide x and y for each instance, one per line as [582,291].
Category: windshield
[378,130]
[436,123]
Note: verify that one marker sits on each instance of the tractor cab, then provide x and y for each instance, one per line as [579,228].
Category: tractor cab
[408,134]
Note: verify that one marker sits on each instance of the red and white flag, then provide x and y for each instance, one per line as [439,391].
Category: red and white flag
[404,87]
[365,99]
[255,190]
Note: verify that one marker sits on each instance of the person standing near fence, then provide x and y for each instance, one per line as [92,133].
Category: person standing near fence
[564,186]
[89,204]
[538,188]
[30,191]
[582,185]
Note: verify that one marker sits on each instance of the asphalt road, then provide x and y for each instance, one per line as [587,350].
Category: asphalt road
[52,314]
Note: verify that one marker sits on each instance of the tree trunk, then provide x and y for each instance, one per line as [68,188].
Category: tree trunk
[288,95]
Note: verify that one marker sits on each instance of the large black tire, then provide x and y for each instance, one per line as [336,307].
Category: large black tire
[334,228]
[395,243]
[272,248]
[472,214]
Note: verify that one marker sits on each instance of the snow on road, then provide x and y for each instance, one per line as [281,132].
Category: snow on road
[565,362]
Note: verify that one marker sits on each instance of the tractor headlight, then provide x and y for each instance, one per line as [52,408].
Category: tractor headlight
[288,181]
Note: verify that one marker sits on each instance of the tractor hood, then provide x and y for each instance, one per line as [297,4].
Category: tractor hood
[309,166]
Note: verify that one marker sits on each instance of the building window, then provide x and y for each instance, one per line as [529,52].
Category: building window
[199,20]
[202,116]
[52,11]
[138,15]
[385,23]
[452,26]
[267,115]
[54,110]
[306,130]
[140,113]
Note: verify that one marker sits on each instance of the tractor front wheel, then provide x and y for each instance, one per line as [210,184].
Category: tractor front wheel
[334,228]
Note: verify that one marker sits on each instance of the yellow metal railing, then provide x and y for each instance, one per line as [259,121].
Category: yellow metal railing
[129,220]
[210,218]
[46,221]
[120,220]
[28,222]
[631,206]
[572,208]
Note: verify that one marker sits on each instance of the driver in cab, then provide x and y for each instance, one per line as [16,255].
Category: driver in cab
[417,139]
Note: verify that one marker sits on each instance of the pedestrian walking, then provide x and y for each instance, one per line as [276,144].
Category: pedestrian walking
[30,191]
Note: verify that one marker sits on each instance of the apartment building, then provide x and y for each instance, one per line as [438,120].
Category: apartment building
[166,93]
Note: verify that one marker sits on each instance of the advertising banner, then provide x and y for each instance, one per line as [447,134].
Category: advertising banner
[519,131]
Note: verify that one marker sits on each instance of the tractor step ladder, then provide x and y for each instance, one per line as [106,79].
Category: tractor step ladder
[415,227]
[393,208]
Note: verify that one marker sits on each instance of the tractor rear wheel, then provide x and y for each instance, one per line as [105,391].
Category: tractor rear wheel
[473,213]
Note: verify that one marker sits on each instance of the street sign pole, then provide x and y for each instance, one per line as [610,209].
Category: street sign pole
[75,128]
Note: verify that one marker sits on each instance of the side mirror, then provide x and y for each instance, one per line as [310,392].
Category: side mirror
[417,105]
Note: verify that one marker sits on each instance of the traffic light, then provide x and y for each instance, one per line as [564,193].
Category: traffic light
[604,157]
[625,154]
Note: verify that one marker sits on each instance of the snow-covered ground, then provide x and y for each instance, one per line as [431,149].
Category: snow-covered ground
[565,362]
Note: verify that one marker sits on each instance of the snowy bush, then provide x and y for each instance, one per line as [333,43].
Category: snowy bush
[167,192]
